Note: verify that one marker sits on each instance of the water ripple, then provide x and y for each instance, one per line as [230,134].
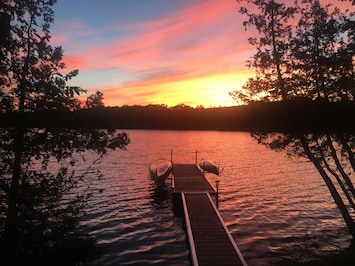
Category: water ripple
[271,204]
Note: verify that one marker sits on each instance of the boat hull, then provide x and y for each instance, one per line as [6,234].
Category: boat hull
[159,171]
[209,166]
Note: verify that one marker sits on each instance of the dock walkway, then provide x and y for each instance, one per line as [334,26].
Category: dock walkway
[188,178]
[210,241]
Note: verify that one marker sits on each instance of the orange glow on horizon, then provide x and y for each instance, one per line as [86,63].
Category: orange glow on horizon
[189,55]
[193,53]
[208,91]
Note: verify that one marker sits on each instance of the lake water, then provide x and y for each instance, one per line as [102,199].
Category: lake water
[274,206]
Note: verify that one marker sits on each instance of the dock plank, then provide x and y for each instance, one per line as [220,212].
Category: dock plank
[188,178]
[209,238]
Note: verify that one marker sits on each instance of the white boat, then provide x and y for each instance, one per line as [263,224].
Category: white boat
[159,170]
[209,166]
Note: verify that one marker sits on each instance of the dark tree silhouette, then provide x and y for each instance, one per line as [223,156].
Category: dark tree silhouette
[322,53]
[37,214]
[320,67]
[330,162]
[273,47]
[304,50]
[95,100]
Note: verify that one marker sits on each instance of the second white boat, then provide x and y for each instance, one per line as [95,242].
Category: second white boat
[209,166]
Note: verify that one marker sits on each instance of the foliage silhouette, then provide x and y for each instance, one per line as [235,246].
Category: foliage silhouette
[308,53]
[320,67]
[39,189]
[95,100]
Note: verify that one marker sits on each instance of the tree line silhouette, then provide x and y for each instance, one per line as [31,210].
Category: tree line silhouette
[302,115]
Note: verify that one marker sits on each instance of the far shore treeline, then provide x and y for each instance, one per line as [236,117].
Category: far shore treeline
[296,115]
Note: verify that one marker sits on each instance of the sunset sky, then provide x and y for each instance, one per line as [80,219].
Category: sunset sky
[143,52]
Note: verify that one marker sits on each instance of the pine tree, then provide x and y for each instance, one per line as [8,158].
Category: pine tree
[271,59]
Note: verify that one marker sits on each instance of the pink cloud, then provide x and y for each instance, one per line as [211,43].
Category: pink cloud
[205,39]
[59,39]
[180,35]
[75,62]
[195,42]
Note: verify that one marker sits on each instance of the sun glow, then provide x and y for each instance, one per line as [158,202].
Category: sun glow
[179,56]
[209,91]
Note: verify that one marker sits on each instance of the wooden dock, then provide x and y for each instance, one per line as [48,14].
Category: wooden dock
[188,178]
[210,241]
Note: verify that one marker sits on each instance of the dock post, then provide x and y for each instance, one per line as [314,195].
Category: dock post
[217,184]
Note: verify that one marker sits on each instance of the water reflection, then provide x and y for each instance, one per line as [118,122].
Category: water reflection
[332,154]
[160,195]
[269,201]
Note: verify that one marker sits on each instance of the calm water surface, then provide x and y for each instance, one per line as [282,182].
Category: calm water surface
[273,205]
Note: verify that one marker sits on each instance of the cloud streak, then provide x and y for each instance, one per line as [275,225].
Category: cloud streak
[175,58]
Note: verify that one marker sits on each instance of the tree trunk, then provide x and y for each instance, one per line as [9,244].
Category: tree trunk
[346,146]
[339,202]
[11,228]
[280,81]
[339,166]
[336,176]
[10,234]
